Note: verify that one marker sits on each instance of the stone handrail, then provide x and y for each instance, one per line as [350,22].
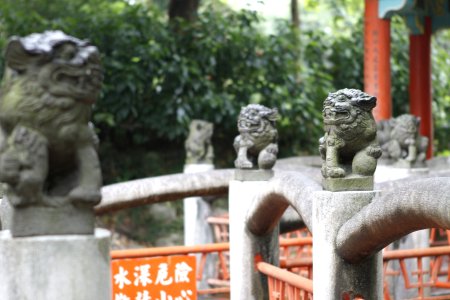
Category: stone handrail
[163,188]
[407,207]
[284,189]
[177,186]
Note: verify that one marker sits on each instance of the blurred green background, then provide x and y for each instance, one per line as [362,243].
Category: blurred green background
[167,62]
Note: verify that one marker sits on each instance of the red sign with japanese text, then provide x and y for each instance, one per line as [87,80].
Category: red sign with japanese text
[156,278]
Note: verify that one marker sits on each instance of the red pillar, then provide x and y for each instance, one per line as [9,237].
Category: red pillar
[420,81]
[377,67]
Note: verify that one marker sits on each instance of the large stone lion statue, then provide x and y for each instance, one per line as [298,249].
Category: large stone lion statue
[256,144]
[401,140]
[48,148]
[349,146]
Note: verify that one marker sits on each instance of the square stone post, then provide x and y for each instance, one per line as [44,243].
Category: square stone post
[246,282]
[334,277]
[55,267]
[197,231]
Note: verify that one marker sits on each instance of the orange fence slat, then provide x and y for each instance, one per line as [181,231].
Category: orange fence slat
[285,276]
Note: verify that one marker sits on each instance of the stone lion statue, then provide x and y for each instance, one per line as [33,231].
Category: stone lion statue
[256,144]
[48,148]
[349,146]
[198,145]
[402,141]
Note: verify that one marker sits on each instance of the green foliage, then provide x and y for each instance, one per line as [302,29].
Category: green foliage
[158,77]
[441,89]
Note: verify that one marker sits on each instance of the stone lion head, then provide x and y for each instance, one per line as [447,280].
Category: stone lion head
[51,80]
[63,65]
[343,106]
[255,118]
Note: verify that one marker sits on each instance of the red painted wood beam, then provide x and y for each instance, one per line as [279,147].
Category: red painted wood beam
[420,81]
[377,67]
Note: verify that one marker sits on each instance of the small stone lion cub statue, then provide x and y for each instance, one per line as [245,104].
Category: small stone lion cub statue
[256,145]
[401,142]
[48,157]
[199,149]
[349,148]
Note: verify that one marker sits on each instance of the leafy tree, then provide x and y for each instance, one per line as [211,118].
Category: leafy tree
[157,81]
[185,9]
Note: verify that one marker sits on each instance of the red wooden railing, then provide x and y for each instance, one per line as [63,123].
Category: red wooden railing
[284,284]
[221,280]
[434,274]
[293,280]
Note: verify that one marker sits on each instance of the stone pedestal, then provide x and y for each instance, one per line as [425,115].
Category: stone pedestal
[196,210]
[246,282]
[351,182]
[333,277]
[69,267]
[197,231]
[45,220]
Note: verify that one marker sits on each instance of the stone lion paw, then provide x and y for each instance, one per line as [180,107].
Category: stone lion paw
[375,152]
[85,195]
[335,172]
[243,163]
[272,149]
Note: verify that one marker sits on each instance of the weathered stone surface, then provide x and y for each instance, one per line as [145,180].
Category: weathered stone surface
[349,183]
[419,204]
[70,267]
[196,210]
[247,282]
[256,145]
[252,175]
[48,156]
[199,148]
[197,231]
[401,142]
[283,190]
[163,188]
[349,147]
[364,279]
[39,220]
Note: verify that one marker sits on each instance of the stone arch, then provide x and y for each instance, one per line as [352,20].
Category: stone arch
[407,207]
[288,189]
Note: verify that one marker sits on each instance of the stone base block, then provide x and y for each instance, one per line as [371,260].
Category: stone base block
[253,175]
[44,220]
[349,183]
[72,267]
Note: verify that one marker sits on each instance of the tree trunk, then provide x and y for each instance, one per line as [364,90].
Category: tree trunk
[185,9]
[295,17]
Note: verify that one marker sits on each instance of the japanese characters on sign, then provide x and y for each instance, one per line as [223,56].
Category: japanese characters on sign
[158,278]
